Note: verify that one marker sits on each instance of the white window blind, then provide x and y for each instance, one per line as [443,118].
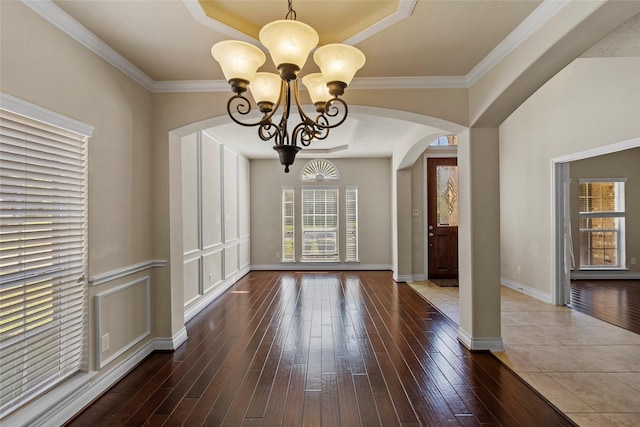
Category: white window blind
[42,257]
[352,224]
[288,225]
[601,204]
[320,224]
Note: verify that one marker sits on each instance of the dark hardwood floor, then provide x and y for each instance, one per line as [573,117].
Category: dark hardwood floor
[321,349]
[613,301]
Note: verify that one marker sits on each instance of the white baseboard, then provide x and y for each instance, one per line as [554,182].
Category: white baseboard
[63,402]
[402,278]
[527,290]
[480,344]
[419,278]
[604,275]
[168,344]
[324,266]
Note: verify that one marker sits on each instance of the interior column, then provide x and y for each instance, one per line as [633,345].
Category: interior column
[479,239]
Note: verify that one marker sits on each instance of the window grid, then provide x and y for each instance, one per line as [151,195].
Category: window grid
[320,224]
[351,201]
[602,215]
[288,225]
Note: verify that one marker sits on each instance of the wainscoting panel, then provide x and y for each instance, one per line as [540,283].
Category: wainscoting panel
[191,282]
[123,319]
[211,270]
[231,260]
[244,253]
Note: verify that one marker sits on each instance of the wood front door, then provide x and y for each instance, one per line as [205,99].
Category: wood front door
[442,216]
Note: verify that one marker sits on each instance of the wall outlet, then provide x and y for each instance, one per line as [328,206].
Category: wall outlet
[415,212]
[518,269]
[105,342]
[210,277]
[634,260]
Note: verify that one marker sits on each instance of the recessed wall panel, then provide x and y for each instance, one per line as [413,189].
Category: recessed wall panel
[191,280]
[230,195]
[190,221]
[230,260]
[243,197]
[211,192]
[211,270]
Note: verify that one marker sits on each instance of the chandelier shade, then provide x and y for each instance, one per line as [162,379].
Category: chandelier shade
[317,88]
[338,62]
[288,42]
[239,60]
[265,88]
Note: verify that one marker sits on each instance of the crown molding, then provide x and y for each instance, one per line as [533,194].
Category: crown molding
[169,86]
[52,13]
[193,6]
[522,32]
[58,17]
[405,9]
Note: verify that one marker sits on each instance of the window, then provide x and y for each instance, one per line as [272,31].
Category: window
[42,257]
[319,170]
[446,140]
[602,214]
[288,226]
[352,224]
[320,224]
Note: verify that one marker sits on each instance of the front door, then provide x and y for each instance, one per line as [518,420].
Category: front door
[442,215]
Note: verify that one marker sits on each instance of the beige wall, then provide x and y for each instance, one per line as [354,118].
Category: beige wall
[593,102]
[371,176]
[623,164]
[44,66]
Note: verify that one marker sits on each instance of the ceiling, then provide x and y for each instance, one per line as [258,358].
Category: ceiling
[170,40]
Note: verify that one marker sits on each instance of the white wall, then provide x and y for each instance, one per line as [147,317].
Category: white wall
[593,102]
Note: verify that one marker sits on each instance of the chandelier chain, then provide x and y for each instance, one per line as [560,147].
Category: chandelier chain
[291,14]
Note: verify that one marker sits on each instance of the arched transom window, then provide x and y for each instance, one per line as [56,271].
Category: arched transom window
[319,170]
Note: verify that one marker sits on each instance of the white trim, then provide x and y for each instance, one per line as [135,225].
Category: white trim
[99,279]
[419,277]
[527,290]
[530,25]
[405,9]
[171,343]
[598,151]
[147,332]
[328,266]
[35,112]
[65,401]
[194,8]
[420,82]
[59,18]
[480,344]
[212,295]
[402,278]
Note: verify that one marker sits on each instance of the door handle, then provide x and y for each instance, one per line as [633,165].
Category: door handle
[431,227]
[430,234]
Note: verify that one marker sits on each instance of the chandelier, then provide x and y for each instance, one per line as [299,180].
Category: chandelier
[289,43]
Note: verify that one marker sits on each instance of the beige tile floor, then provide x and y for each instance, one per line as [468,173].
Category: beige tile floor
[587,368]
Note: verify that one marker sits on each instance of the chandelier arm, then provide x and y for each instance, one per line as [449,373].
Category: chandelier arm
[304,118]
[333,111]
[305,133]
